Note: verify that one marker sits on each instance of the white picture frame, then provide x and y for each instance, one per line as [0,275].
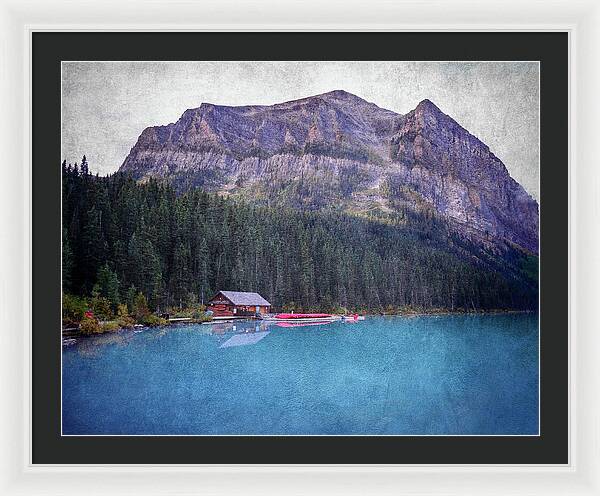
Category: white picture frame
[581,18]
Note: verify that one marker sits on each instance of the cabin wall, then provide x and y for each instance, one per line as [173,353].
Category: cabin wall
[219,301]
[221,309]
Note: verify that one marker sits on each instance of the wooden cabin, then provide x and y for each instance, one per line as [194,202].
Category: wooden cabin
[238,303]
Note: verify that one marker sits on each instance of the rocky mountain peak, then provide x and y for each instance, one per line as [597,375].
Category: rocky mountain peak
[337,150]
[427,105]
[342,96]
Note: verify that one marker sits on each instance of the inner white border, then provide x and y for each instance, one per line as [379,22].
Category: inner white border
[539,74]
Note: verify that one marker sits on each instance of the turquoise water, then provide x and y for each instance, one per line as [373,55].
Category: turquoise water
[385,375]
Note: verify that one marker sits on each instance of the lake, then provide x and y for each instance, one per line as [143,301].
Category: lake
[423,375]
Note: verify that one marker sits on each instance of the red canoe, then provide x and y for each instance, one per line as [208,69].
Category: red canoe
[290,316]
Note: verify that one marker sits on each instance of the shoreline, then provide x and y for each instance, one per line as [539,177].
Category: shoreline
[450,312]
[74,335]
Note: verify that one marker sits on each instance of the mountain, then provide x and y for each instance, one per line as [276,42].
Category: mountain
[336,151]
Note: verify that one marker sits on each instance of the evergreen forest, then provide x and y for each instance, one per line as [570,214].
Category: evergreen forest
[122,238]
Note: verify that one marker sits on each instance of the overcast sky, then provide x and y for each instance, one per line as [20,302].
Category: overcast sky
[106,105]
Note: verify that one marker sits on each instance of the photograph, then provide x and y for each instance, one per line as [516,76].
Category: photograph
[300,248]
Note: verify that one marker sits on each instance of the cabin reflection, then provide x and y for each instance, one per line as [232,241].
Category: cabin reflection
[244,339]
[221,328]
[244,334]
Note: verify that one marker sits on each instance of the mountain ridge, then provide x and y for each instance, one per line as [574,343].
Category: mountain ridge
[339,150]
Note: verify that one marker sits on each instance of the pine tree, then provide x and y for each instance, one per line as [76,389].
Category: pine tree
[85,171]
[203,271]
[93,248]
[107,284]
[180,274]
[67,262]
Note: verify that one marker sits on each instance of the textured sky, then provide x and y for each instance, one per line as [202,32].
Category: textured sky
[106,105]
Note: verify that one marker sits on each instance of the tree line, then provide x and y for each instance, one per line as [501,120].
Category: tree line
[122,238]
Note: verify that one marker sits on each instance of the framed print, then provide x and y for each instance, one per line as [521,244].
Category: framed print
[257,254]
[299,266]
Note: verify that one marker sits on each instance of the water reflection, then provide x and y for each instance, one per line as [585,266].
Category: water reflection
[244,339]
[92,345]
[228,334]
[249,333]
[300,324]
[244,333]
[220,328]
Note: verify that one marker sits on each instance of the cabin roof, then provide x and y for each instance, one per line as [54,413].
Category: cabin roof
[244,298]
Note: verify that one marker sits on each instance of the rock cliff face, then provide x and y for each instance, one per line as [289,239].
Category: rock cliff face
[338,151]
